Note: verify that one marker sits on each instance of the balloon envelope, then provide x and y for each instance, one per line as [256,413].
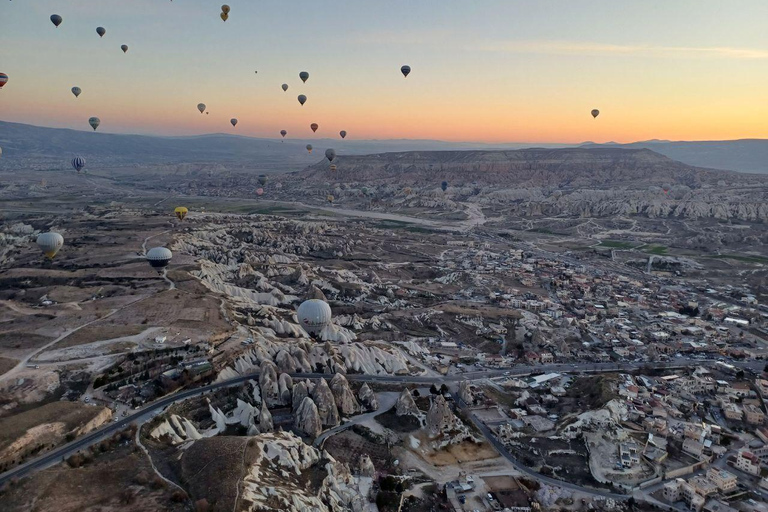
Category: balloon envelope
[330,154]
[329,198]
[159,257]
[262,179]
[180,212]
[283,133]
[314,314]
[343,133]
[595,113]
[259,191]
[285,87]
[405,70]
[302,99]
[224,16]
[3,79]
[225,9]
[233,121]
[201,107]
[56,19]
[101,31]
[304,76]
[50,243]
[444,186]
[314,127]
[76,91]
[124,48]
[94,122]
[78,163]
[309,147]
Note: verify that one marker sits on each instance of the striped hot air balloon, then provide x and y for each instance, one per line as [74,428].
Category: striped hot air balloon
[78,163]
[3,79]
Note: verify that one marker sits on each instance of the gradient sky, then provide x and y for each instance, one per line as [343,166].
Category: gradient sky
[485,70]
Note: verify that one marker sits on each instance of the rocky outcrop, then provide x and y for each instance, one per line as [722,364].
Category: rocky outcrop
[307,418]
[298,394]
[365,466]
[440,418]
[285,385]
[465,392]
[265,419]
[368,398]
[343,396]
[326,405]
[406,406]
[270,391]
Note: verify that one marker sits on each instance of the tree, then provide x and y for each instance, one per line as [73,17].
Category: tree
[416,393]
[443,389]
[740,374]
[433,389]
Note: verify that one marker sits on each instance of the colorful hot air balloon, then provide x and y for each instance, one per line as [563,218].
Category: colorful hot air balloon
[224,16]
[405,70]
[50,243]
[285,87]
[3,79]
[302,99]
[225,9]
[444,186]
[343,133]
[76,91]
[304,76]
[330,154]
[201,107]
[283,133]
[78,163]
[159,257]
[233,121]
[329,198]
[101,31]
[94,122]
[262,179]
[309,148]
[314,127]
[333,167]
[124,47]
[595,113]
[259,191]
[180,212]
[56,19]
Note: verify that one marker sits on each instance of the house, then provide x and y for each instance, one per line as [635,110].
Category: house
[694,448]
[748,462]
[724,480]
[754,415]
[732,411]
[628,454]
[546,357]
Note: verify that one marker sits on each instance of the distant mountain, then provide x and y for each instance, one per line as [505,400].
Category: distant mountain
[744,155]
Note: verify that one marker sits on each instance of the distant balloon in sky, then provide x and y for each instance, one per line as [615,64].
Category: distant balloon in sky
[124,47]
[78,163]
[101,31]
[50,243]
[285,87]
[330,154]
[56,19]
[302,99]
[224,16]
[343,133]
[3,79]
[180,212]
[595,113]
[259,191]
[309,148]
[233,121]
[94,122]
[444,186]
[314,127]
[405,70]
[225,9]
[304,76]
[201,107]
[76,91]
[283,133]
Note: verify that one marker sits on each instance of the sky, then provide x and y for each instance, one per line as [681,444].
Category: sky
[485,70]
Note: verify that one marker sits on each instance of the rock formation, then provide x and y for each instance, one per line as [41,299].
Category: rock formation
[440,418]
[343,396]
[326,405]
[298,394]
[465,392]
[365,466]
[285,386]
[368,398]
[307,418]
[270,391]
[406,406]
[265,419]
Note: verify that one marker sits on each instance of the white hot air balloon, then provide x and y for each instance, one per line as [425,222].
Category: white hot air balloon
[159,257]
[50,243]
[314,315]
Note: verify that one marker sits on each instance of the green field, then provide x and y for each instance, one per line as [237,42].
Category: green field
[738,257]
[658,250]
[616,244]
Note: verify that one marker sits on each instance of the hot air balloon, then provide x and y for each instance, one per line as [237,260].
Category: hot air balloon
[314,127]
[314,315]
[285,87]
[124,47]
[201,107]
[330,154]
[259,191]
[329,198]
[405,70]
[302,99]
[225,9]
[407,191]
[343,133]
[309,148]
[56,19]
[50,243]
[101,31]
[224,16]
[283,133]
[76,91]
[262,179]
[159,257]
[595,113]
[444,186]
[233,121]
[78,163]
[3,79]
[94,122]
[333,167]
[180,212]
[304,76]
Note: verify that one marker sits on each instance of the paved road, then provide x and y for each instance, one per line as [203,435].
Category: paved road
[387,400]
[146,412]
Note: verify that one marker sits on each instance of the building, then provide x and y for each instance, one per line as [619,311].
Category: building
[724,480]
[682,490]
[754,415]
[748,462]
[628,454]
[694,448]
[732,411]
